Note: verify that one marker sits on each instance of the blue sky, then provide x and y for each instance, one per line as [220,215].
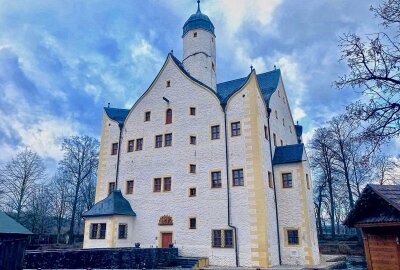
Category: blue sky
[62,61]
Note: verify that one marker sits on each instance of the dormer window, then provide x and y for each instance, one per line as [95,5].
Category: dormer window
[195,34]
[168,83]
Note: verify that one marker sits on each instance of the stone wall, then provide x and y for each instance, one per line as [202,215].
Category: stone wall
[116,258]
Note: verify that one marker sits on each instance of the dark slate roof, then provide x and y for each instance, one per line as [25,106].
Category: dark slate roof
[377,204]
[198,20]
[10,226]
[299,130]
[114,204]
[116,114]
[288,154]
[267,81]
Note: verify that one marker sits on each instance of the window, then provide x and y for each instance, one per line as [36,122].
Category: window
[168,139]
[281,142]
[279,93]
[193,140]
[167,183]
[192,192]
[192,168]
[266,132]
[129,187]
[195,34]
[216,179]
[215,132]
[192,223]
[159,141]
[147,116]
[139,144]
[213,66]
[307,181]
[290,129]
[222,238]
[192,111]
[228,238]
[122,231]
[283,121]
[292,237]
[114,149]
[270,183]
[168,83]
[274,135]
[276,114]
[168,116]
[98,231]
[237,176]
[235,129]
[287,180]
[157,185]
[131,144]
[102,234]
[111,187]
[94,230]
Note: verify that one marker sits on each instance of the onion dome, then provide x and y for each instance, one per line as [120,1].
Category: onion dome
[198,21]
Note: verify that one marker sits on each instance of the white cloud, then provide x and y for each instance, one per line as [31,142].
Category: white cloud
[298,114]
[307,136]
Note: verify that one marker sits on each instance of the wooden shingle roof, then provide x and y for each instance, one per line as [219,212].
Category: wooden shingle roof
[378,204]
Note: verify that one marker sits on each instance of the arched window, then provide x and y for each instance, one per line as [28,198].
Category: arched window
[168,116]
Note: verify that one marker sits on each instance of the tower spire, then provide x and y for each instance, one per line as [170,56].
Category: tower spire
[198,6]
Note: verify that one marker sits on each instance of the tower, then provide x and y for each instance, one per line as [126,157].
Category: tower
[199,56]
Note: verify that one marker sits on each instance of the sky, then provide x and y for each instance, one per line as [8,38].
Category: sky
[61,62]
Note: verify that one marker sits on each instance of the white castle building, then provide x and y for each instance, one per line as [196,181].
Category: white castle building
[216,169]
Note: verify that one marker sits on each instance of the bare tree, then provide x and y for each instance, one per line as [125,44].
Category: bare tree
[61,192]
[323,159]
[80,161]
[20,177]
[374,64]
[387,169]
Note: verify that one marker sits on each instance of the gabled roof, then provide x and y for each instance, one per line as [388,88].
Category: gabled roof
[116,114]
[114,204]
[10,226]
[288,154]
[267,81]
[377,204]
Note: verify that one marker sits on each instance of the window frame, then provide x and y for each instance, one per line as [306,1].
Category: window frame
[114,151]
[288,243]
[194,140]
[195,192]
[110,190]
[164,184]
[147,116]
[217,132]
[157,143]
[169,141]
[192,168]
[137,144]
[287,183]
[195,223]
[238,177]
[168,116]
[192,111]
[91,235]
[236,129]
[168,83]
[102,233]
[129,189]
[129,150]
[156,185]
[219,180]
[270,180]
[222,243]
[125,235]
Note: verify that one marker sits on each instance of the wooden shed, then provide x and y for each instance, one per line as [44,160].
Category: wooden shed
[377,213]
[13,240]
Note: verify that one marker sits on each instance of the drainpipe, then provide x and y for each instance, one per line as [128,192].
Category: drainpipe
[228,192]
[273,180]
[119,154]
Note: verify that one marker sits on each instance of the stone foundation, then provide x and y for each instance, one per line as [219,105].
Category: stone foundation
[111,258]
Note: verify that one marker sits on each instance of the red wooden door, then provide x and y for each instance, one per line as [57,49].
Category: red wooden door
[166,239]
